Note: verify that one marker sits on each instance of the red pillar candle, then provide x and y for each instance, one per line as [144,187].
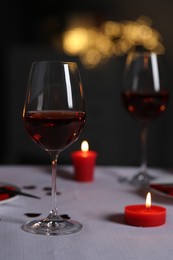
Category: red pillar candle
[84,163]
[145,215]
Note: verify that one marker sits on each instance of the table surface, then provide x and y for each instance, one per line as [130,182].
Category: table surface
[98,205]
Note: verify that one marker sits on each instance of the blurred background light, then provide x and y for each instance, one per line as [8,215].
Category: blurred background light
[96,44]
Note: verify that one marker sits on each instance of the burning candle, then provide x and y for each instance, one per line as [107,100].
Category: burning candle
[84,163]
[145,215]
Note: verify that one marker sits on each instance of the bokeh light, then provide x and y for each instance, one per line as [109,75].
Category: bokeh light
[94,45]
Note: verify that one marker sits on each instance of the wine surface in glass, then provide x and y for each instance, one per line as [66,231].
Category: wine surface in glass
[145,106]
[54,130]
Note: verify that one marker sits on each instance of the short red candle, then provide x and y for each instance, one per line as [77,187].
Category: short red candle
[84,163]
[141,216]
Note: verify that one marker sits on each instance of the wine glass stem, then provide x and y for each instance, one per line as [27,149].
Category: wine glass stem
[143,136]
[54,158]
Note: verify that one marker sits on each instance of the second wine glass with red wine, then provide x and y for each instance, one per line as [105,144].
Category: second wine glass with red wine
[145,97]
[54,116]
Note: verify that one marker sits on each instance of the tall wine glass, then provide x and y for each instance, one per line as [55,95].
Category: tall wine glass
[145,97]
[54,115]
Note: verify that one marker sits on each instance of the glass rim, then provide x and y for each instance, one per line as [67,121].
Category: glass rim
[149,52]
[53,61]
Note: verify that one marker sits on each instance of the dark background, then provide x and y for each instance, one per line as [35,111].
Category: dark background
[26,30]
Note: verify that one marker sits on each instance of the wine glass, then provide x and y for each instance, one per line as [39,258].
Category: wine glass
[54,116]
[145,97]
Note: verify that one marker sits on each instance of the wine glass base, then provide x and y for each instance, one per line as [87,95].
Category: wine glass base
[52,228]
[141,179]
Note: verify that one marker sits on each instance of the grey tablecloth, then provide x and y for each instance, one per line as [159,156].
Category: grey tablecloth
[99,206]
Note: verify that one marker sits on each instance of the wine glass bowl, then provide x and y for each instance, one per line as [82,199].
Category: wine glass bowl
[54,116]
[145,97]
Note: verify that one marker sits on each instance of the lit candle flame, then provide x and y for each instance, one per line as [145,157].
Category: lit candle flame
[84,146]
[148,201]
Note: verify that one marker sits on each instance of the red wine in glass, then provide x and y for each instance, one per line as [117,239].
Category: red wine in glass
[145,97]
[54,116]
[54,130]
[145,106]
